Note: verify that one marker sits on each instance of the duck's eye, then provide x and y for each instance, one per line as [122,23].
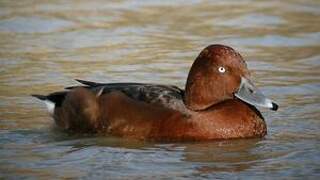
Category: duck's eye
[222,69]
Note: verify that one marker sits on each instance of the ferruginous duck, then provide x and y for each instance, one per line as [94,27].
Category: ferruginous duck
[218,103]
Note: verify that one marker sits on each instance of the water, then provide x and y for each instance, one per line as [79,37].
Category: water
[44,45]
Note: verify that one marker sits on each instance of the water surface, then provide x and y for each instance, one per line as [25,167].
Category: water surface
[44,45]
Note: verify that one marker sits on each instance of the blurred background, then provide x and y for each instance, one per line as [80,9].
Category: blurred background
[44,45]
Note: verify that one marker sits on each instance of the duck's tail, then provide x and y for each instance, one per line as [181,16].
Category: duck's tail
[50,105]
[74,110]
[52,100]
[41,97]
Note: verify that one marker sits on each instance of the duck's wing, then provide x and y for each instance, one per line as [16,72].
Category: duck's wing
[165,95]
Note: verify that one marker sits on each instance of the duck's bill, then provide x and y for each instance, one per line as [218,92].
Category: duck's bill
[250,94]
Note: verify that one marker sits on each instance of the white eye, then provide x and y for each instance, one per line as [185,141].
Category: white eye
[222,69]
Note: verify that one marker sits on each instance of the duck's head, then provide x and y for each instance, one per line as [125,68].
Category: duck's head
[219,73]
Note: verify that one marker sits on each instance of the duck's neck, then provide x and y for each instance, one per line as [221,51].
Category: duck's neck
[200,93]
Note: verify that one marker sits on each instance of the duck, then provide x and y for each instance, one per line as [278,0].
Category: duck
[219,102]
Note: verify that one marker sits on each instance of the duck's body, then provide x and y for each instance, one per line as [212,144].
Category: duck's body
[206,110]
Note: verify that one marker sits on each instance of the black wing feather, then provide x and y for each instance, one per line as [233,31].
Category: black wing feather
[150,93]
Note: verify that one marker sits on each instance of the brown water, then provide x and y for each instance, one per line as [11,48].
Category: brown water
[44,45]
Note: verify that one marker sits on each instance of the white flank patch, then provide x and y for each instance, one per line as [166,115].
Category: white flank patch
[50,106]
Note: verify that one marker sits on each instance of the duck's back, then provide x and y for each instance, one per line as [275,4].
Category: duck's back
[167,96]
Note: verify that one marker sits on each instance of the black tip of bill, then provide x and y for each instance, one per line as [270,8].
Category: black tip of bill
[274,106]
